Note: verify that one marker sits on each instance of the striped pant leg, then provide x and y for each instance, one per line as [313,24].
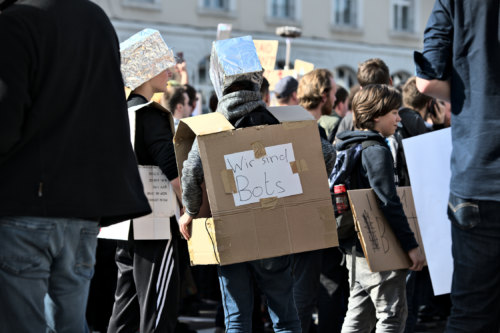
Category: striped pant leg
[125,315]
[156,275]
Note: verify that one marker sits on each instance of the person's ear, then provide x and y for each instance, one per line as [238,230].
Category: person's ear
[324,97]
[178,107]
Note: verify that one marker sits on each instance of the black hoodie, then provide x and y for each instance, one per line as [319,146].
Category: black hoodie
[377,172]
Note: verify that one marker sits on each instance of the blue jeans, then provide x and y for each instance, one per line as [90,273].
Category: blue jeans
[45,269]
[273,276]
[475,291]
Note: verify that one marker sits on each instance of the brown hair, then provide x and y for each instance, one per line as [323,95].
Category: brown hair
[312,86]
[340,96]
[412,98]
[373,71]
[174,94]
[374,100]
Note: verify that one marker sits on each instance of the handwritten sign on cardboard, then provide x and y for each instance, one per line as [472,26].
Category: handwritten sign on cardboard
[267,176]
[267,50]
[274,76]
[302,67]
[380,246]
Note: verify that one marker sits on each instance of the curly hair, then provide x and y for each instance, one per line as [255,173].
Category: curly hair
[374,100]
[312,87]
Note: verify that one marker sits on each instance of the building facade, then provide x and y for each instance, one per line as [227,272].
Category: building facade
[336,34]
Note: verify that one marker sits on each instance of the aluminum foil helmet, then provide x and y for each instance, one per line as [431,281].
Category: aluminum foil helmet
[234,60]
[143,56]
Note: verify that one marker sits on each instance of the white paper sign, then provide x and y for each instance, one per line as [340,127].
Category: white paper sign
[163,202]
[115,231]
[265,177]
[428,159]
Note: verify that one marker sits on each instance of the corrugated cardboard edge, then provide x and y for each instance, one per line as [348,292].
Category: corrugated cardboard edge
[357,229]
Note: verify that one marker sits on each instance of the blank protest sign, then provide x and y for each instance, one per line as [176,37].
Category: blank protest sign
[265,177]
[428,159]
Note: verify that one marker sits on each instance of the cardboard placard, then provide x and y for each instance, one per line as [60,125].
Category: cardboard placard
[302,67]
[224,31]
[267,51]
[380,246]
[270,175]
[270,226]
[274,76]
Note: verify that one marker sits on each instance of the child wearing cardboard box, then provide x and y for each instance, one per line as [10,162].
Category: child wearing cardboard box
[236,74]
[378,298]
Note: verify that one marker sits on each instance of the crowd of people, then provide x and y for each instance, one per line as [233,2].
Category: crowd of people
[74,144]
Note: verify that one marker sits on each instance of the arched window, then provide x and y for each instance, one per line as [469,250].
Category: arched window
[399,78]
[345,76]
[203,83]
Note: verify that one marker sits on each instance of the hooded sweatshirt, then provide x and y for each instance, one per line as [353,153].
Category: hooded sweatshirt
[377,172]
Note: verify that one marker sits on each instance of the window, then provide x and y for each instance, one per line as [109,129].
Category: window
[345,76]
[222,5]
[399,78]
[284,9]
[403,12]
[142,4]
[345,13]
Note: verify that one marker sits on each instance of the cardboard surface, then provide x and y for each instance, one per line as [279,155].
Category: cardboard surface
[267,50]
[271,226]
[302,67]
[273,76]
[380,246]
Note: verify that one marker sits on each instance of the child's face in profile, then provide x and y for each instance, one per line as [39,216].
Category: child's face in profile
[388,123]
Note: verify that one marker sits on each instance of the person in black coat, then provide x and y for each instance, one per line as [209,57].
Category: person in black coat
[66,163]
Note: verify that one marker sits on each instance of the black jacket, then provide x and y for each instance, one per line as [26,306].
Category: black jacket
[65,146]
[153,137]
[377,172]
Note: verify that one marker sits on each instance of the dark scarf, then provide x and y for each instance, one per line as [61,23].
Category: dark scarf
[239,103]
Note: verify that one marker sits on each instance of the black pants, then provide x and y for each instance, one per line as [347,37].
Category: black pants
[147,291]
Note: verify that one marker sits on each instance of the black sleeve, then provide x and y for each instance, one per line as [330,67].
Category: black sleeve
[413,123]
[377,162]
[16,60]
[158,139]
